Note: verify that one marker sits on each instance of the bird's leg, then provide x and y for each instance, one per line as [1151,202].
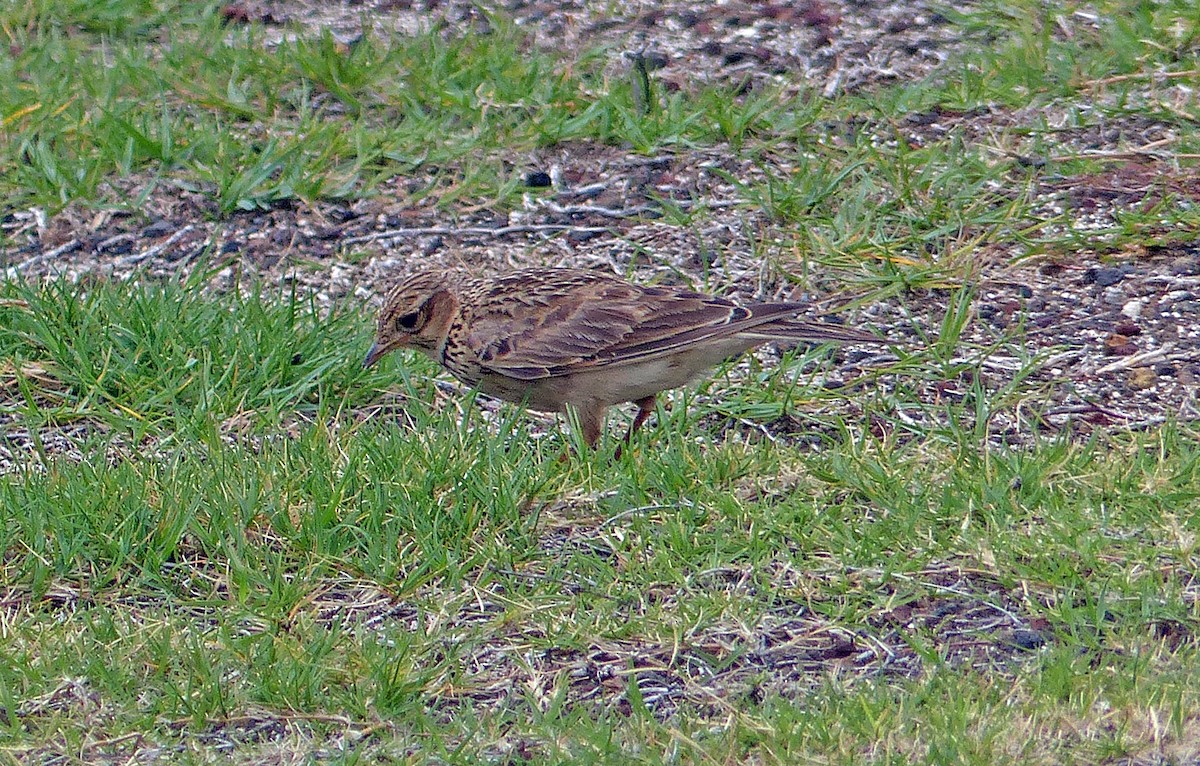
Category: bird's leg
[587,420]
[645,408]
[591,423]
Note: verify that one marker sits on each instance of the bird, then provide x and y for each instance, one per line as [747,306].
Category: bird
[578,341]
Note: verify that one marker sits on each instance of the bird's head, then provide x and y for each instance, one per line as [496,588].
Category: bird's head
[416,314]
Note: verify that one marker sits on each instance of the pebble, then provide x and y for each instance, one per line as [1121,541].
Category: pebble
[433,245]
[537,179]
[1140,378]
[1133,309]
[1119,345]
[1185,266]
[1128,329]
[158,229]
[1113,295]
[578,237]
[1028,639]
[1105,276]
[655,60]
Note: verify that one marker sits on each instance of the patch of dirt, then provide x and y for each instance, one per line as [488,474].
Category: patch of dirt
[507,658]
[24,448]
[830,45]
[964,618]
[1081,340]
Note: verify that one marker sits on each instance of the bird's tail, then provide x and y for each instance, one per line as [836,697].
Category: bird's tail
[810,332]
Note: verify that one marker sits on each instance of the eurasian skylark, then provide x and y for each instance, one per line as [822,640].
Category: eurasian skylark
[577,342]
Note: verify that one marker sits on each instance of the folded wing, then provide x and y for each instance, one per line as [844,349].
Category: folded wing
[592,320]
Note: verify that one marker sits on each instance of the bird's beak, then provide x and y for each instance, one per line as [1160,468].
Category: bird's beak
[373,355]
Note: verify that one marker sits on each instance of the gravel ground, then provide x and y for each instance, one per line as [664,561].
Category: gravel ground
[1116,334]
[1081,341]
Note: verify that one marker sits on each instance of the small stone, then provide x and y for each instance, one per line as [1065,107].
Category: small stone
[579,237]
[655,60]
[1128,329]
[537,179]
[1133,308]
[1118,345]
[1185,266]
[434,244]
[1104,277]
[1113,296]
[1028,639]
[117,246]
[1140,378]
[1025,291]
[1165,370]
[158,229]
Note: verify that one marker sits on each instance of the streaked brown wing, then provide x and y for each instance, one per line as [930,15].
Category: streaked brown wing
[580,319]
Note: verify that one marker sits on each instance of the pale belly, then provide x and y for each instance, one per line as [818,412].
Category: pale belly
[613,384]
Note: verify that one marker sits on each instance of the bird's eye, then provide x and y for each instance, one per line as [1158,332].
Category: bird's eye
[408,322]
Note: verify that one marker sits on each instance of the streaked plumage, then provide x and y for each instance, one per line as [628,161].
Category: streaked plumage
[566,339]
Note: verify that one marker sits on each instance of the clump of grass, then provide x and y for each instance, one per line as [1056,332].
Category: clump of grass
[150,357]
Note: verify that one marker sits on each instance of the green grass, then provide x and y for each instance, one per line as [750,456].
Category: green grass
[155,358]
[383,574]
[222,539]
[248,126]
